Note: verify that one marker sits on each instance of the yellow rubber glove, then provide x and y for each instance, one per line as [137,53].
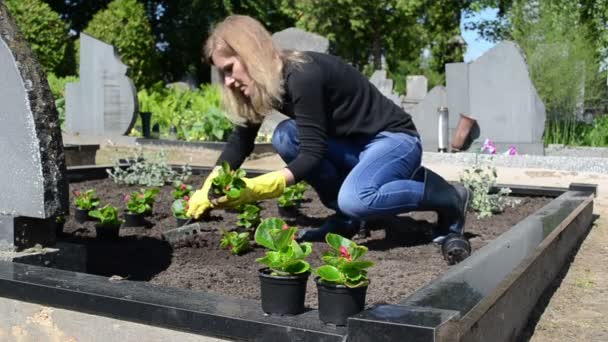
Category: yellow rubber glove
[269,185]
[199,203]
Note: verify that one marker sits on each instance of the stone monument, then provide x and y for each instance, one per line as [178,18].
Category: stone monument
[34,187]
[104,102]
[417,87]
[497,91]
[385,85]
[426,118]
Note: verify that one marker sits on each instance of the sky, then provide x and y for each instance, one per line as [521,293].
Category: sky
[476,46]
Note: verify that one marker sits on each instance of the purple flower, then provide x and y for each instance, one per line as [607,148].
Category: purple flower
[488,146]
[512,151]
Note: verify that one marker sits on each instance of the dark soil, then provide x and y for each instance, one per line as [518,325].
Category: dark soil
[405,261]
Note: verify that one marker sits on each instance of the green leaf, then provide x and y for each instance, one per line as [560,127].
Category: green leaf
[329,273]
[336,241]
[297,267]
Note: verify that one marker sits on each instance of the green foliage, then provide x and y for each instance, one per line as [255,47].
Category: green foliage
[597,135]
[343,264]
[228,182]
[249,216]
[195,113]
[125,25]
[179,207]
[43,29]
[148,172]
[286,256]
[237,243]
[479,180]
[57,85]
[107,216]
[181,190]
[141,202]
[292,195]
[86,200]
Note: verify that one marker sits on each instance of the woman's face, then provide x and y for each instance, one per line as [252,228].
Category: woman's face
[235,72]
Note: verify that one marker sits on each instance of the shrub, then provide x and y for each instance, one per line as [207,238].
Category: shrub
[57,85]
[43,29]
[148,172]
[237,243]
[125,25]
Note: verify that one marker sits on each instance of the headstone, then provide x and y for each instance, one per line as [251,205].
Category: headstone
[385,85]
[104,102]
[417,87]
[497,91]
[34,187]
[426,119]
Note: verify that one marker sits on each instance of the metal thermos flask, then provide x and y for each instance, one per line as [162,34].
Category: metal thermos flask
[442,131]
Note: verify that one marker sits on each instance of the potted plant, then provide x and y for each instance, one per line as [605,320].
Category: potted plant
[149,196]
[289,202]
[227,183]
[237,243]
[249,216]
[181,189]
[179,209]
[136,207]
[283,281]
[342,280]
[84,202]
[109,223]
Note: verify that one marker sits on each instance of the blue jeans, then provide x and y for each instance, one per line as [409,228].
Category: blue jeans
[361,177]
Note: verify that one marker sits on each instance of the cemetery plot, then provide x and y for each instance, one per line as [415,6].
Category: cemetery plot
[405,261]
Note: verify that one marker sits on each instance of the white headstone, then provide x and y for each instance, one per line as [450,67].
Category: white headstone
[385,85]
[104,102]
[426,119]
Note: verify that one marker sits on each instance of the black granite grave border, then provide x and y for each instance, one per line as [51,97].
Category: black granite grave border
[455,306]
[258,148]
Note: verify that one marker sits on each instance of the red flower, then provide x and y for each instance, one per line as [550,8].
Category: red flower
[141,196]
[344,253]
[186,198]
[77,193]
[182,187]
[285,227]
[127,197]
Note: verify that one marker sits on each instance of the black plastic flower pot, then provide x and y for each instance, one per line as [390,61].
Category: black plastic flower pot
[338,302]
[292,211]
[59,228]
[107,232]
[283,295]
[81,215]
[134,220]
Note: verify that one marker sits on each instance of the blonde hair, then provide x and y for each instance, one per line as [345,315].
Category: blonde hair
[248,40]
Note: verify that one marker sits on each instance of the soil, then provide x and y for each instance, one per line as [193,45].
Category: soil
[405,261]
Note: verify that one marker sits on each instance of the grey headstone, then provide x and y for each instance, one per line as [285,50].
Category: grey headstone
[296,39]
[426,119]
[385,85]
[501,97]
[104,102]
[417,87]
[34,183]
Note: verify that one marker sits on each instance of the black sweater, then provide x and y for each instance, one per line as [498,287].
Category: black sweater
[328,98]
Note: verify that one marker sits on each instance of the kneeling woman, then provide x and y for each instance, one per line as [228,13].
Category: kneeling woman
[355,147]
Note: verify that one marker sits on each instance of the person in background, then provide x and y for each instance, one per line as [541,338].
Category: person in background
[355,147]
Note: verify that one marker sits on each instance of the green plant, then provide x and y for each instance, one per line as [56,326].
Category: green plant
[179,207]
[343,264]
[292,195]
[286,256]
[249,216]
[181,190]
[228,182]
[107,216]
[43,29]
[237,243]
[87,200]
[597,135]
[125,25]
[153,172]
[141,202]
[480,180]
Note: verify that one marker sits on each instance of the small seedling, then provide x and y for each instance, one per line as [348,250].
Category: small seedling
[179,208]
[292,195]
[343,264]
[87,200]
[227,183]
[286,256]
[237,243]
[249,216]
[180,190]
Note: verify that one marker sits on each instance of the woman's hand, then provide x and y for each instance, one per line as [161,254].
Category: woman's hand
[199,203]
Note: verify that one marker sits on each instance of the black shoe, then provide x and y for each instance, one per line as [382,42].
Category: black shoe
[338,224]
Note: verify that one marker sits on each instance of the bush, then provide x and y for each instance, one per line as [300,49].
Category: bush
[148,172]
[125,25]
[43,29]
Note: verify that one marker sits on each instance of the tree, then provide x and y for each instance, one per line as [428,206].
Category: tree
[124,24]
[43,29]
